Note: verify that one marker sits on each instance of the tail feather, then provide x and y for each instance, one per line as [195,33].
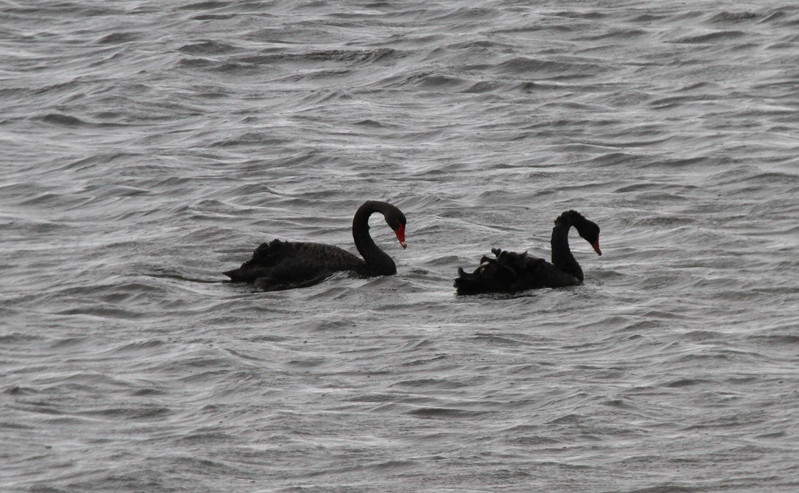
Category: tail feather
[266,256]
[507,273]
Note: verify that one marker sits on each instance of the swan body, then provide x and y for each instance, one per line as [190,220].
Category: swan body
[280,264]
[511,272]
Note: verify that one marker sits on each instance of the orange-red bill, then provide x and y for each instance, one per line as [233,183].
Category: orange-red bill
[596,247]
[400,232]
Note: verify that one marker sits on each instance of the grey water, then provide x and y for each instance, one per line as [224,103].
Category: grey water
[148,146]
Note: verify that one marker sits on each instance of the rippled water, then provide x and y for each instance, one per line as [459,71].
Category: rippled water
[149,146]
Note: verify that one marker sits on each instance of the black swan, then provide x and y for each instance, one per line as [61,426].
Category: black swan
[510,272]
[284,265]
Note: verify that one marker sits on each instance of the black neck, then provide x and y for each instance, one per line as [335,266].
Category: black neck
[377,261]
[562,257]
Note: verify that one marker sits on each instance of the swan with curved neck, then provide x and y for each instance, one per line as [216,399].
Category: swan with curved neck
[283,265]
[510,272]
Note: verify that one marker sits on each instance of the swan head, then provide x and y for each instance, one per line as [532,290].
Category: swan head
[590,233]
[396,221]
[588,230]
[393,216]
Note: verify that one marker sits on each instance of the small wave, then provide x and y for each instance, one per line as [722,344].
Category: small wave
[369,123]
[443,412]
[135,413]
[138,346]
[577,68]
[433,80]
[733,17]
[119,38]
[484,87]
[61,119]
[685,382]
[207,5]
[616,34]
[9,339]
[779,17]
[16,390]
[776,339]
[196,62]
[206,48]
[712,37]
[431,383]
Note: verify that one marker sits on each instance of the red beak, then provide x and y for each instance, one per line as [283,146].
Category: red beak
[400,232]
[596,247]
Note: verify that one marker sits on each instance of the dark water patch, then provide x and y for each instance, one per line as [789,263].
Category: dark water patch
[308,362]
[253,138]
[713,37]
[16,390]
[326,96]
[727,17]
[687,162]
[494,339]
[727,420]
[207,5]
[566,419]
[781,18]
[103,312]
[592,15]
[71,421]
[213,17]
[89,162]
[39,407]
[394,466]
[664,221]
[149,392]
[775,339]
[432,383]
[119,38]
[775,178]
[62,120]
[198,62]
[64,9]
[365,56]
[485,87]
[574,68]
[614,34]
[337,325]
[428,361]
[206,48]
[142,345]
[685,382]
[443,412]
[704,335]
[463,14]
[649,18]
[652,187]
[672,102]
[68,342]
[618,404]
[204,437]
[611,158]
[433,80]
[369,123]
[374,398]
[12,338]
[528,87]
